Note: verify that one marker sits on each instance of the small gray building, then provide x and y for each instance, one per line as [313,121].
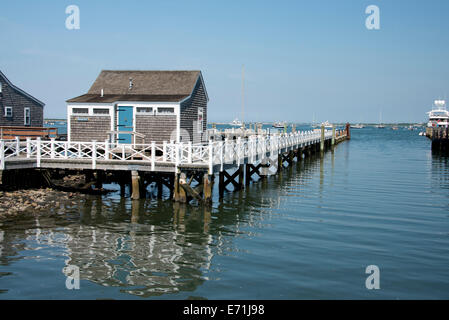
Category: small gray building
[140,107]
[18,108]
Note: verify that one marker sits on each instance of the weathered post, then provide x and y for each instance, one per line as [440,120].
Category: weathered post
[333,137]
[348,134]
[135,185]
[241,176]
[207,189]
[221,182]
[322,140]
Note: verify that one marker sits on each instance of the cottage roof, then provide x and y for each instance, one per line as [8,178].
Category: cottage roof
[17,89]
[126,85]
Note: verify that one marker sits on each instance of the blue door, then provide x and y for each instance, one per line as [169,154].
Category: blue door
[125,123]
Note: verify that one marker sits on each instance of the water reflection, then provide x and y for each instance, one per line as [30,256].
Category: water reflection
[148,247]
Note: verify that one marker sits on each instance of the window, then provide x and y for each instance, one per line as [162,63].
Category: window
[166,110]
[27,116]
[101,111]
[145,110]
[8,112]
[80,110]
[200,120]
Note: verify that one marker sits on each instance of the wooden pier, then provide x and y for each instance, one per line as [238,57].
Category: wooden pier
[187,169]
[440,139]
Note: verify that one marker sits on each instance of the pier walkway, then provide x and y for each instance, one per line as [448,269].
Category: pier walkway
[258,152]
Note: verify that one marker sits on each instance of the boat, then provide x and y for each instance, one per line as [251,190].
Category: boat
[394,128]
[279,124]
[380,125]
[236,123]
[438,116]
[422,133]
[358,126]
[326,124]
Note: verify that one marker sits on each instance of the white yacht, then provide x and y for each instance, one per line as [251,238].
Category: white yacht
[358,126]
[327,124]
[439,116]
[236,123]
[279,124]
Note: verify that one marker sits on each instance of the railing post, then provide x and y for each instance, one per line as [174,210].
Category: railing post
[333,136]
[211,156]
[226,149]
[177,155]
[66,147]
[17,146]
[38,152]
[221,155]
[322,139]
[189,152]
[28,148]
[106,149]
[153,155]
[164,151]
[2,154]
[238,153]
[52,148]
[94,154]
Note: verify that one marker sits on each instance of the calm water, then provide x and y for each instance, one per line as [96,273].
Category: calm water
[380,199]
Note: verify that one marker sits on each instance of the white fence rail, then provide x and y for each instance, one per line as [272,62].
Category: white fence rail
[211,154]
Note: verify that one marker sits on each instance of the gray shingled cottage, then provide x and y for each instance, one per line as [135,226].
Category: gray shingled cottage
[18,108]
[140,107]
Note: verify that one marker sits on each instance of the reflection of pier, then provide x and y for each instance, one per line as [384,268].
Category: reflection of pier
[149,249]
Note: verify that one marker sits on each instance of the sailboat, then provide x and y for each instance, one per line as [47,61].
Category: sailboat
[380,125]
[237,122]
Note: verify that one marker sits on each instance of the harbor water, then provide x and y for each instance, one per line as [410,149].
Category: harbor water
[379,199]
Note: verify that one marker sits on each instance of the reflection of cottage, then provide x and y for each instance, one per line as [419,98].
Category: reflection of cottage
[140,107]
[18,108]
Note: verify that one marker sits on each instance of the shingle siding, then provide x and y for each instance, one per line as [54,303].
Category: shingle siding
[95,128]
[9,97]
[157,128]
[189,113]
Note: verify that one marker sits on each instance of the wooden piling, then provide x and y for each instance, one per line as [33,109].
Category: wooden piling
[135,185]
[207,189]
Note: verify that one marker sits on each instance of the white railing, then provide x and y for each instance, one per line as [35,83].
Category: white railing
[211,154]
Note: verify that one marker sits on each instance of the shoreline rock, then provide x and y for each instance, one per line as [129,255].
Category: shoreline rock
[34,201]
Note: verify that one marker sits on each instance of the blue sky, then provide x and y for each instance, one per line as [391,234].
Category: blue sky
[303,59]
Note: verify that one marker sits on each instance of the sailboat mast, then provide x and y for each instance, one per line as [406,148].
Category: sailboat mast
[243,95]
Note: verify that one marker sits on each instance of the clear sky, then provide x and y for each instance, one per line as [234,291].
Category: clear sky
[303,59]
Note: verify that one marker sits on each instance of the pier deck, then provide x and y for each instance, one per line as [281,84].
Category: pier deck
[255,151]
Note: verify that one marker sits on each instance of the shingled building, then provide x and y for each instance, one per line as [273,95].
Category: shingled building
[18,108]
[140,107]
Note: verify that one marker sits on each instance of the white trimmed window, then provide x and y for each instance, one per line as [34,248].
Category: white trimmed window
[165,110]
[8,112]
[27,116]
[200,120]
[144,110]
[83,111]
[102,111]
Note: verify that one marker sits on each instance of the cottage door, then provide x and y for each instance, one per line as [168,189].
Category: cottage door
[124,124]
